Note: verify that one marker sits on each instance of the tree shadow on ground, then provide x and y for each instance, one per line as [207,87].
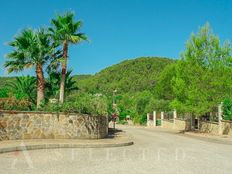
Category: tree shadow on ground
[113,132]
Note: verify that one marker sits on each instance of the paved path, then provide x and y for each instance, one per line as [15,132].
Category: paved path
[155,151]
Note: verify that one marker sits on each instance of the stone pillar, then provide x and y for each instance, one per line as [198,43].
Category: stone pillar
[148,119]
[154,118]
[174,114]
[174,118]
[162,118]
[220,112]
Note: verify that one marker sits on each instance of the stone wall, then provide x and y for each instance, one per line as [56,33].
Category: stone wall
[40,125]
[177,124]
[168,124]
[181,124]
[218,128]
[227,127]
[209,127]
[150,123]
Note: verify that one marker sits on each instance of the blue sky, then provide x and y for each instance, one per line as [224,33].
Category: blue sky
[118,29]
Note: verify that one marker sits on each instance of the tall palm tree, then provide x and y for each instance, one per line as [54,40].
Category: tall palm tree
[31,49]
[65,31]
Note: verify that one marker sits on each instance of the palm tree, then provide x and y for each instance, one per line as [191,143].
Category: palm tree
[31,49]
[65,31]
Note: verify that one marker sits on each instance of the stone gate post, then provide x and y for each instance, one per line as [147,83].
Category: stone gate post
[148,119]
[220,112]
[162,118]
[154,118]
[174,118]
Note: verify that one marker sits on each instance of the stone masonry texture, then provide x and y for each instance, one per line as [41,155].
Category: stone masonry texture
[39,125]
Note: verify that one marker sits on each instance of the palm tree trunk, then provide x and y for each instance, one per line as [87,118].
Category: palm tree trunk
[40,84]
[63,73]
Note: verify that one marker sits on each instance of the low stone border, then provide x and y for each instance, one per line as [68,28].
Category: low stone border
[21,145]
[55,146]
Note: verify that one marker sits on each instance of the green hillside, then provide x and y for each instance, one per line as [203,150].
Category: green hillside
[128,76]
[81,77]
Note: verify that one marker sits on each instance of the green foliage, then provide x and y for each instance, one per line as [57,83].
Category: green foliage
[65,28]
[6,80]
[12,103]
[19,94]
[227,109]
[134,80]
[24,88]
[195,84]
[140,119]
[158,105]
[31,47]
[53,84]
[123,122]
[81,103]
[129,76]
[134,105]
[202,77]
[142,100]
[163,88]
[4,92]
[81,77]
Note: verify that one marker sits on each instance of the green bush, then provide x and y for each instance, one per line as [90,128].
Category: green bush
[227,109]
[4,92]
[123,122]
[140,119]
[81,103]
[12,103]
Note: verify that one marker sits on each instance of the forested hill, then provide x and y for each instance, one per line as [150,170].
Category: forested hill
[128,76]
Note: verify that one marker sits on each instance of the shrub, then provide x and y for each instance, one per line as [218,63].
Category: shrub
[24,88]
[123,122]
[140,119]
[4,92]
[227,109]
[12,103]
[81,103]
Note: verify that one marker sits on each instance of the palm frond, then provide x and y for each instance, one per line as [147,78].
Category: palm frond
[65,28]
[31,47]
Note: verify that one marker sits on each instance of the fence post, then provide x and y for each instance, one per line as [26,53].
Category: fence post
[220,112]
[162,118]
[148,119]
[174,118]
[154,118]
